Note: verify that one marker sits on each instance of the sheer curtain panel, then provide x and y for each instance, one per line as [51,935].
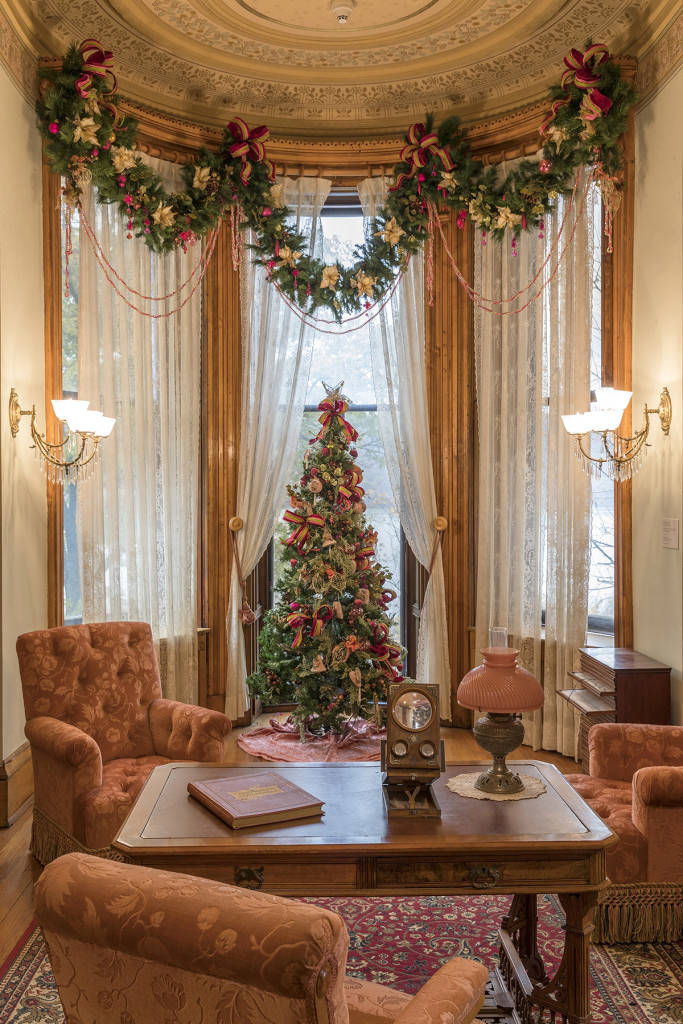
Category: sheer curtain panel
[397,349]
[137,516]
[276,360]
[533,543]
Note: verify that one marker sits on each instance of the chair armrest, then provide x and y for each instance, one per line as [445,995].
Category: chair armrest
[618,750]
[191,923]
[454,994]
[184,732]
[660,786]
[67,763]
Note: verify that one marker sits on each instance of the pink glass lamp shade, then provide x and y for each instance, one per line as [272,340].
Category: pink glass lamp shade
[503,690]
[500,685]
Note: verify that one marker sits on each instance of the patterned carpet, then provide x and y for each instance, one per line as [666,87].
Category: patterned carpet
[402,941]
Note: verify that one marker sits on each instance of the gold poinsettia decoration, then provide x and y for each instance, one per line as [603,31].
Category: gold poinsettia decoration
[330,278]
[391,232]
[122,158]
[557,135]
[91,104]
[164,216]
[274,194]
[506,218]
[364,283]
[287,257]
[448,180]
[201,177]
[85,130]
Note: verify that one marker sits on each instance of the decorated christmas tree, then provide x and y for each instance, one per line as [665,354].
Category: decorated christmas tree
[325,645]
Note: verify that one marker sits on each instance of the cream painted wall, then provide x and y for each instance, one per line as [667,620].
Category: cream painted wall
[658,361]
[23,549]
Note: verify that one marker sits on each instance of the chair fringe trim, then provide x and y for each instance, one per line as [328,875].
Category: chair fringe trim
[49,841]
[640,912]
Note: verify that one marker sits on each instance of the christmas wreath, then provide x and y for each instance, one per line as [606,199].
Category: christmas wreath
[88,141]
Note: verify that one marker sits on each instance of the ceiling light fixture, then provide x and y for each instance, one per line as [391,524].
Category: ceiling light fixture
[342,9]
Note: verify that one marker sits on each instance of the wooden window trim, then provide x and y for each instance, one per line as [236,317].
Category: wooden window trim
[450,367]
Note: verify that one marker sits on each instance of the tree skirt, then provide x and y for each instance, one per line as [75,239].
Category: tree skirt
[280,741]
[401,941]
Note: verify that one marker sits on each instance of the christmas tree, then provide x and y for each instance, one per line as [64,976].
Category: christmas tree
[325,645]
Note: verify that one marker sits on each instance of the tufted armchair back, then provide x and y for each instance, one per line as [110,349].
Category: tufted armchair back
[100,677]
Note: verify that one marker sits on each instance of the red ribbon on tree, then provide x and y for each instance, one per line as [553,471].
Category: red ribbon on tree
[419,151]
[333,410]
[383,649]
[303,524]
[248,147]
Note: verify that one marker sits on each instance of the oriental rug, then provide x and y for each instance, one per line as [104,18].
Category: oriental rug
[401,941]
[280,741]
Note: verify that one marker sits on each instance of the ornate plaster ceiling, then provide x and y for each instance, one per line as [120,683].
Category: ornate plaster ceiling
[292,65]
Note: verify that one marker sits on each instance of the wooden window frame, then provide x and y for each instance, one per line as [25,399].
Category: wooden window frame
[450,375]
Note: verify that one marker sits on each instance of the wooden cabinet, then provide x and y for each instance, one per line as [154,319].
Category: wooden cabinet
[616,684]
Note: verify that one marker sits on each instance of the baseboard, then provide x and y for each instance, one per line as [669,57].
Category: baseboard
[16,785]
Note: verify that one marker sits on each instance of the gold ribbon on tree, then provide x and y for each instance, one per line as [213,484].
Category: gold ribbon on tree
[580,71]
[97,63]
[333,409]
[303,524]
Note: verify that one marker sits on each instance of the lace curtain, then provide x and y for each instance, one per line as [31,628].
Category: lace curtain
[276,360]
[534,500]
[397,349]
[137,516]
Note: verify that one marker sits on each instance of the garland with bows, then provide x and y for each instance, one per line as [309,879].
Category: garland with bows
[89,141]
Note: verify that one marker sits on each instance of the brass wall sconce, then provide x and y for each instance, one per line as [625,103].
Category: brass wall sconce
[619,456]
[74,457]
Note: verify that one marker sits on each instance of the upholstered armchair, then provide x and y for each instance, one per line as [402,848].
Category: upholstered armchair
[130,943]
[98,725]
[635,784]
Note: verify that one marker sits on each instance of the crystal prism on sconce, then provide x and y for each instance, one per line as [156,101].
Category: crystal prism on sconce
[619,456]
[74,458]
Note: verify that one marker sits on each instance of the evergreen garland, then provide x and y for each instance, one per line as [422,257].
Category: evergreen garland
[87,140]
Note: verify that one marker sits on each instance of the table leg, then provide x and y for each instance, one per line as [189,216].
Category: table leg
[567,995]
[521,923]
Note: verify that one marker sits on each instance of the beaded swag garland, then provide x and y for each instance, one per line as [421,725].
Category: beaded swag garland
[88,140]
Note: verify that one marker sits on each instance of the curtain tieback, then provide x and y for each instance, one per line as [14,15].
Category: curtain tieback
[245,613]
[439,524]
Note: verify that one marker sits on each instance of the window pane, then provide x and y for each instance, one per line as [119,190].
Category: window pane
[601,581]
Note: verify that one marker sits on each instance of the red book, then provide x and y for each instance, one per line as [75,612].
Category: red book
[257,799]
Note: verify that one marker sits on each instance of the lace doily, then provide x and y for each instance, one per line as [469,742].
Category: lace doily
[463,785]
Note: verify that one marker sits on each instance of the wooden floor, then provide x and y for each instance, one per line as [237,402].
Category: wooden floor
[19,870]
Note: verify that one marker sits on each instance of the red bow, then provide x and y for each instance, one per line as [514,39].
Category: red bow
[581,73]
[333,411]
[419,151]
[248,146]
[97,63]
[302,524]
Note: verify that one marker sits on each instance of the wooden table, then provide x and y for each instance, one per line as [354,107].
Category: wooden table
[553,843]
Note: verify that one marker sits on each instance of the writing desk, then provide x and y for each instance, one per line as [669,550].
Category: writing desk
[553,843]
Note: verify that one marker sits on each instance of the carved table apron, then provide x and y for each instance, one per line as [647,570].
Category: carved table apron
[553,843]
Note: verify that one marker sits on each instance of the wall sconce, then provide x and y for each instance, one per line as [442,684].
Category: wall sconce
[73,459]
[620,456]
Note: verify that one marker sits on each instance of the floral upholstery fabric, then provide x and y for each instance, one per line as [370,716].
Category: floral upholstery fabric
[130,944]
[636,786]
[97,725]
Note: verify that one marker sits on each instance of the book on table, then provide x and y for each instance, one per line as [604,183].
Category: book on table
[255,799]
